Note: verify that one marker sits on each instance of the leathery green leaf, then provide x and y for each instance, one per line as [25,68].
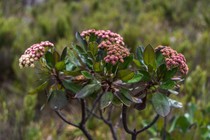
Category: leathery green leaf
[58,99]
[161,104]
[86,74]
[49,59]
[106,99]
[69,85]
[87,90]
[60,65]
[82,42]
[125,75]
[126,94]
[149,56]
[39,88]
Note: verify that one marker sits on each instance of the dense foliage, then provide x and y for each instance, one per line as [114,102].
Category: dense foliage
[183,25]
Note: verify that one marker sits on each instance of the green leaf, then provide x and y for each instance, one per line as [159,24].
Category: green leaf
[168,84]
[92,38]
[73,58]
[74,72]
[80,50]
[86,74]
[125,75]
[106,99]
[182,123]
[101,55]
[123,99]
[58,100]
[39,88]
[89,63]
[139,54]
[60,65]
[138,64]
[49,59]
[127,62]
[116,101]
[69,66]
[93,47]
[160,104]
[136,78]
[97,67]
[87,90]
[64,53]
[174,103]
[170,73]
[145,76]
[161,71]
[159,58]
[149,56]
[127,95]
[69,85]
[56,56]
[82,42]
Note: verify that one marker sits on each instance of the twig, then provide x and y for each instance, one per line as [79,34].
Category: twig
[109,124]
[149,125]
[93,106]
[64,119]
[81,125]
[109,113]
[101,117]
[95,115]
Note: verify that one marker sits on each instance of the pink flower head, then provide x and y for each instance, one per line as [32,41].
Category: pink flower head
[112,42]
[33,53]
[173,59]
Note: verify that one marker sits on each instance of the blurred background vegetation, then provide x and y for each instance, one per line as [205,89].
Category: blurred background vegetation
[184,25]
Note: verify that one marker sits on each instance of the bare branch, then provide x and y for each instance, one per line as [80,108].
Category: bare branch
[94,106]
[109,124]
[149,125]
[64,119]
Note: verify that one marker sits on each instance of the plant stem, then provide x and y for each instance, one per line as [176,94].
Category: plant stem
[124,120]
[81,125]
[83,121]
[149,125]
[164,128]
[94,106]
[134,133]
[64,119]
[108,122]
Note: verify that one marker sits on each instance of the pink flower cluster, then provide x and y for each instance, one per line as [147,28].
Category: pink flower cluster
[174,59]
[112,42]
[34,53]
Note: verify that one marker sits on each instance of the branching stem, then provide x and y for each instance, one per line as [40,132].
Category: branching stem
[82,123]
[109,123]
[134,133]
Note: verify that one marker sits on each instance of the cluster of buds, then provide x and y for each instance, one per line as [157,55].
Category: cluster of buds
[174,59]
[34,53]
[112,42]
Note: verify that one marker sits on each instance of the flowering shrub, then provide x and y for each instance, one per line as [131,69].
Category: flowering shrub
[100,67]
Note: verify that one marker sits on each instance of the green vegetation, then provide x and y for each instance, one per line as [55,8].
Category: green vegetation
[184,25]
